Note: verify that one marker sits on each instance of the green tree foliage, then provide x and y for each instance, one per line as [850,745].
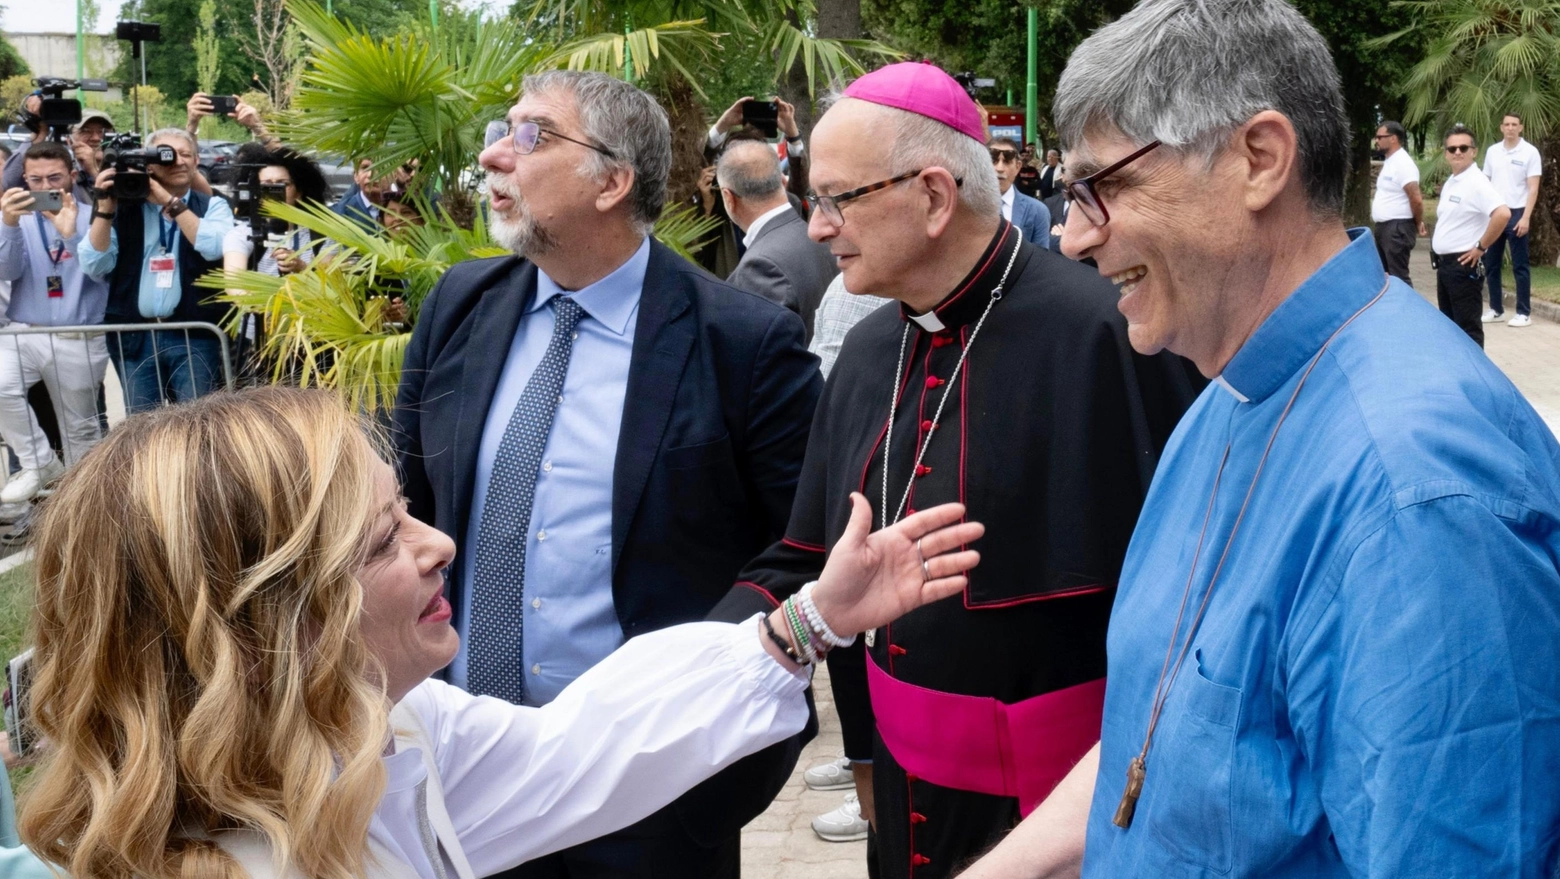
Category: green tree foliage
[11,63]
[1370,72]
[988,38]
[1477,60]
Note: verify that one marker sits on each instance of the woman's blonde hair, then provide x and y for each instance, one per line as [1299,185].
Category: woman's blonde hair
[199,666]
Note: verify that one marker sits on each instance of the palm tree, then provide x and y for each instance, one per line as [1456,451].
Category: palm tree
[1485,58]
[422,97]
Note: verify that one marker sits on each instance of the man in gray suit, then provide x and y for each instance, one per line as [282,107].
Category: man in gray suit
[781,263]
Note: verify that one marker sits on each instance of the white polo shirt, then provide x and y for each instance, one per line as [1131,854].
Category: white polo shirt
[1463,213]
[1391,199]
[1511,169]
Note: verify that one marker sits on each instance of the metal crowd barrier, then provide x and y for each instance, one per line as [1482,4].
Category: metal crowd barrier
[66,376]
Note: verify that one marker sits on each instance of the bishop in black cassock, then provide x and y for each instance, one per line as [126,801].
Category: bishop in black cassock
[1047,426]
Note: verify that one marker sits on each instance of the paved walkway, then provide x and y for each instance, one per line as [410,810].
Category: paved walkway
[780,844]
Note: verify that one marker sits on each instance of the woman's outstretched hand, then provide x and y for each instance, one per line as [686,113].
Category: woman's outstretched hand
[872,579]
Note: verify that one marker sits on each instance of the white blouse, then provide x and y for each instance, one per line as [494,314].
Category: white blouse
[665,711]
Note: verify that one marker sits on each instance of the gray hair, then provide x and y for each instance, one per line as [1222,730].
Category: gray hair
[749,169]
[188,138]
[923,142]
[1188,72]
[624,120]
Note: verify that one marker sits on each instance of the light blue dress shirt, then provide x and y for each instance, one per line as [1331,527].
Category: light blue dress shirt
[161,301]
[25,252]
[570,621]
[1375,690]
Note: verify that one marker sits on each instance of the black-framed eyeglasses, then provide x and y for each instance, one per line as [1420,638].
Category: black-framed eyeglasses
[830,204]
[1082,191]
[523,137]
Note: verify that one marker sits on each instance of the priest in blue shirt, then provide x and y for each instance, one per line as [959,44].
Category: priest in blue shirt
[1334,648]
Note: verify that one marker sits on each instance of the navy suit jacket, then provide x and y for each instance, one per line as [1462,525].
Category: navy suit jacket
[351,207]
[720,400]
[1033,218]
[1055,205]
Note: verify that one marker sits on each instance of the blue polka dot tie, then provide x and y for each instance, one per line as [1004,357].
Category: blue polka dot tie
[495,661]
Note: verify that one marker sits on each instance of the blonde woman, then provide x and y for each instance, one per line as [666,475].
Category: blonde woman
[232,597]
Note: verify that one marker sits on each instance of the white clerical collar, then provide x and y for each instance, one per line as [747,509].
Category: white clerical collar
[1219,380]
[929,322]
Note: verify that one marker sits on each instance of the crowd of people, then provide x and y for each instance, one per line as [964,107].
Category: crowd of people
[625,504]
[66,268]
[1481,213]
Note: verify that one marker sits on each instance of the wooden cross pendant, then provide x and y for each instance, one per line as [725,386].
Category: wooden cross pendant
[1129,797]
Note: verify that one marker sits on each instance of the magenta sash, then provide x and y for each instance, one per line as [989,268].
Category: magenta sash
[979,744]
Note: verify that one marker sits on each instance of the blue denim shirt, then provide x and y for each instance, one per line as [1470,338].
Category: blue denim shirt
[1374,690]
[570,619]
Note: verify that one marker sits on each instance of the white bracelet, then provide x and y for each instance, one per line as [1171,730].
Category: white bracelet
[804,600]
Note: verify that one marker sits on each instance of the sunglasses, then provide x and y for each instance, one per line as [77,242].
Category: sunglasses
[525,136]
[1083,193]
[1460,148]
[1000,156]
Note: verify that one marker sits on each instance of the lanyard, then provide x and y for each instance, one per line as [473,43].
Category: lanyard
[167,232]
[1137,769]
[57,252]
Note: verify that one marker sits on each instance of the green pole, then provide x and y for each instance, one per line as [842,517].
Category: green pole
[81,43]
[328,9]
[1032,90]
[433,13]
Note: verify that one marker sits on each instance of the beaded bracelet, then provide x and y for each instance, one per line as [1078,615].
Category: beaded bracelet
[816,620]
[804,636]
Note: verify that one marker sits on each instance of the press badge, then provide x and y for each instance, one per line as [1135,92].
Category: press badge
[56,286]
[1454,199]
[162,268]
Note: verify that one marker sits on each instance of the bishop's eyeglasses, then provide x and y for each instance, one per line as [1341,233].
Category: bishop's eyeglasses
[1083,193]
[830,204]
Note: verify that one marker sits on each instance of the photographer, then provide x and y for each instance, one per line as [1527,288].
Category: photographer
[152,251]
[200,106]
[11,174]
[49,288]
[86,144]
[304,182]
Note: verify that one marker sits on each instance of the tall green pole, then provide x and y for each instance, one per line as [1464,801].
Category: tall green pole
[433,13]
[628,53]
[1032,90]
[81,43]
[328,9]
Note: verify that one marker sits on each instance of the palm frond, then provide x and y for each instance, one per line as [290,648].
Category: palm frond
[831,60]
[684,230]
[682,46]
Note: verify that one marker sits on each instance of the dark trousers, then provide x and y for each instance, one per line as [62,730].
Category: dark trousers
[1460,292]
[1519,266]
[1394,242]
[658,847]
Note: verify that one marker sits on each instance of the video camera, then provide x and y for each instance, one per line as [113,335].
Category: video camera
[56,113]
[123,153]
[249,198]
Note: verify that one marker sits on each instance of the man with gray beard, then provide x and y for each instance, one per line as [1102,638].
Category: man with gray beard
[607,432]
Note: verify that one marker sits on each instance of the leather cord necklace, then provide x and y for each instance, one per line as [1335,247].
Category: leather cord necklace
[1137,770]
[893,403]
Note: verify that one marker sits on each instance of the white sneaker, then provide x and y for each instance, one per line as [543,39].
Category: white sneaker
[1520,320]
[844,824]
[1492,316]
[26,484]
[834,775]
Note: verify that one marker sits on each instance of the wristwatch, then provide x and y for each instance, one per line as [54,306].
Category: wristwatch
[175,207]
[100,215]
